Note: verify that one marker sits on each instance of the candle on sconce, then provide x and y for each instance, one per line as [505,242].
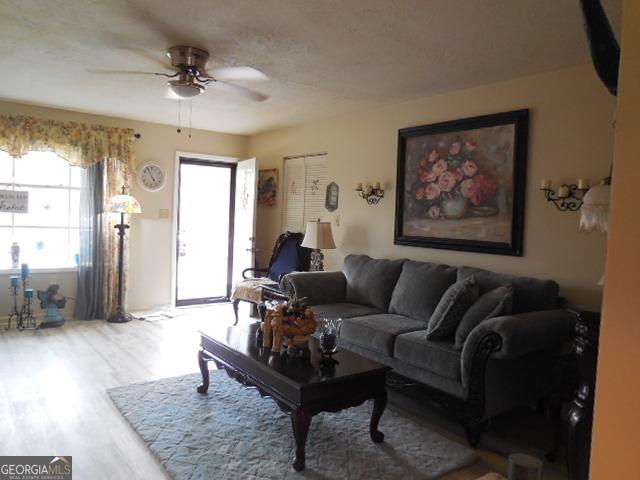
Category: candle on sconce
[546,184]
[563,192]
[377,186]
[15,282]
[359,187]
[369,189]
[583,184]
[25,270]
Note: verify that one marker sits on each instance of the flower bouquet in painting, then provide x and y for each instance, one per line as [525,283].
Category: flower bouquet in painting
[288,326]
[461,184]
[453,181]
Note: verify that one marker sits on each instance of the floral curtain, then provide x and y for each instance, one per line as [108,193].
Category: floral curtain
[78,143]
[84,145]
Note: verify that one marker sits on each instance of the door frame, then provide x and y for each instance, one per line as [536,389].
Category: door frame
[205,158]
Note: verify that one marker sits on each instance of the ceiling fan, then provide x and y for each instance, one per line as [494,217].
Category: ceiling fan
[189,76]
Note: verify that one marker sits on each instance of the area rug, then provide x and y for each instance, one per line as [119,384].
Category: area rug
[232,432]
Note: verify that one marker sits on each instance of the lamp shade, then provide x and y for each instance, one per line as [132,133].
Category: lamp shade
[123,204]
[318,236]
[594,214]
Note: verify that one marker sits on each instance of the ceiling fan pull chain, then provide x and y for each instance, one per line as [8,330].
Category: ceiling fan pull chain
[190,114]
[179,111]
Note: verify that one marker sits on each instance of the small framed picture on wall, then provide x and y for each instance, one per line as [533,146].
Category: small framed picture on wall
[268,187]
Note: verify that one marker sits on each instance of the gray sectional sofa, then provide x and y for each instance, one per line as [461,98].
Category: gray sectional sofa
[386,305]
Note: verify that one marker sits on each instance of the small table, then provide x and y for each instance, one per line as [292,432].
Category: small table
[300,388]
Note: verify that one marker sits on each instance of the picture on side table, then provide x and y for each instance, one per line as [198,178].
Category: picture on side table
[461,184]
[268,187]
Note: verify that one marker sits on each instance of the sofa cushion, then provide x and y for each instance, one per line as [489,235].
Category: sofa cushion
[451,307]
[439,357]
[371,281]
[529,294]
[343,310]
[378,332]
[420,288]
[494,303]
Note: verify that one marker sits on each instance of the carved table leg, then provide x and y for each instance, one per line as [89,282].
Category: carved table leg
[379,403]
[204,370]
[555,412]
[235,304]
[300,420]
[473,429]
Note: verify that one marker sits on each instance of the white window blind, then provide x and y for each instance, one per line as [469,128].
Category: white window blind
[305,183]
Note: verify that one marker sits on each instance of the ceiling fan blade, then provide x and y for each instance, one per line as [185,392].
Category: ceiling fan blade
[238,90]
[101,71]
[237,73]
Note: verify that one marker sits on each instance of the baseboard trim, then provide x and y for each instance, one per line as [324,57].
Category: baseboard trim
[4,319]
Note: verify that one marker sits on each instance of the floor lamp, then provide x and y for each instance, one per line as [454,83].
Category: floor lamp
[122,204]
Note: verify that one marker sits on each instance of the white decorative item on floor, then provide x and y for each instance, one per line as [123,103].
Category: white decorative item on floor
[122,204]
[318,237]
[524,467]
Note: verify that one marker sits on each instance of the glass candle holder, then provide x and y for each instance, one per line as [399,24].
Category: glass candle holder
[524,467]
[329,335]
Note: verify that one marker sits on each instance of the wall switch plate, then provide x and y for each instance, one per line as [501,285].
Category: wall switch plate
[336,220]
[163,213]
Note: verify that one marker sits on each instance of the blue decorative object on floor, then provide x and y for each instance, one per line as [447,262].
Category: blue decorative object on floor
[53,302]
[233,433]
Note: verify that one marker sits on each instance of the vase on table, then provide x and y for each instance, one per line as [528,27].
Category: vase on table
[15,255]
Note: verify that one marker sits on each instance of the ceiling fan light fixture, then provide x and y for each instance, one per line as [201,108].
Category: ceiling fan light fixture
[185,89]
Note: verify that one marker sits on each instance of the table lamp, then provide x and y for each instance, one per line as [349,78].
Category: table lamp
[318,237]
[121,204]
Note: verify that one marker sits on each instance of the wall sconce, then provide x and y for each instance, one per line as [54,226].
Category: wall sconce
[371,194]
[568,198]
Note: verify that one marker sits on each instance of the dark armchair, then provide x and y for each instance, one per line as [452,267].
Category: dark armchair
[288,256]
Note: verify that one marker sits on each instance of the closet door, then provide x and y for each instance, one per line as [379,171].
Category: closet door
[315,188]
[293,195]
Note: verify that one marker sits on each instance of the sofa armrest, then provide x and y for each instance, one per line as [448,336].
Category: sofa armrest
[518,335]
[318,287]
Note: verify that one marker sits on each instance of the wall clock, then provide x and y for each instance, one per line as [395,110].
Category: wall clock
[151,177]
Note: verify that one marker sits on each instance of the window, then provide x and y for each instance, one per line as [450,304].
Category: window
[48,235]
[305,184]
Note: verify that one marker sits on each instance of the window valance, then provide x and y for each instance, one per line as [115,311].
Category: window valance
[78,143]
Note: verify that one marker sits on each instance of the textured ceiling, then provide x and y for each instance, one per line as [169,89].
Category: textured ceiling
[323,57]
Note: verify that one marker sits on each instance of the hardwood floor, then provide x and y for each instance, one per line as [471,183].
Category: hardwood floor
[53,397]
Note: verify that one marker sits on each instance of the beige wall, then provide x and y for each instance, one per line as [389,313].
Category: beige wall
[571,136]
[151,237]
[616,435]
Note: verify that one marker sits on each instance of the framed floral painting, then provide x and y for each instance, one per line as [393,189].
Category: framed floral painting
[268,187]
[461,184]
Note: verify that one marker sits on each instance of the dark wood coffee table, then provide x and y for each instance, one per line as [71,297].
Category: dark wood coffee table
[301,388]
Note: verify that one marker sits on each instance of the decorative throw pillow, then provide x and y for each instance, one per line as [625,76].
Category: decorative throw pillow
[451,307]
[494,303]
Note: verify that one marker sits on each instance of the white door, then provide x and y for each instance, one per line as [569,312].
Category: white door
[244,222]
